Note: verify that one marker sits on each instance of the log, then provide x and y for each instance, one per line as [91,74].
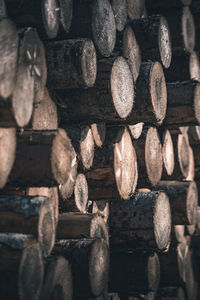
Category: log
[83,142]
[191,173]
[154,39]
[139,273]
[71,64]
[94,20]
[99,133]
[144,222]
[108,101]
[89,259]
[116,105]
[114,171]
[178,232]
[183,68]
[57,279]
[183,197]
[190,276]
[136,130]
[79,226]
[66,13]
[181,158]
[78,201]
[182,104]
[44,16]
[135,8]
[29,215]
[43,158]
[194,135]
[167,151]
[120,12]
[101,208]
[21,267]
[149,157]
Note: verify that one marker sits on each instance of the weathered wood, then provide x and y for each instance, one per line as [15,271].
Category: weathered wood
[113,174]
[144,222]
[183,197]
[71,64]
[29,215]
[136,130]
[66,13]
[57,279]
[167,151]
[21,267]
[43,158]
[89,259]
[135,8]
[194,135]
[153,36]
[101,208]
[119,8]
[79,226]
[99,133]
[149,157]
[132,273]
[94,20]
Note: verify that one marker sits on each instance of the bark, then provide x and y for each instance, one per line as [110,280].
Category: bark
[139,273]
[144,222]
[57,279]
[119,8]
[42,159]
[90,265]
[149,157]
[21,270]
[114,171]
[99,133]
[71,64]
[29,215]
[153,36]
[135,8]
[183,199]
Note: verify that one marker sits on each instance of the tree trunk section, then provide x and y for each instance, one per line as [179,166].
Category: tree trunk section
[99,133]
[167,151]
[119,8]
[135,8]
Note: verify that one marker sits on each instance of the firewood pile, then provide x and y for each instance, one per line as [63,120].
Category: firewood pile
[100,149]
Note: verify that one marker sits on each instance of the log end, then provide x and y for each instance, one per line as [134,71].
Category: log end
[192,203]
[135,8]
[188,29]
[168,153]
[89,63]
[98,228]
[153,272]
[194,66]
[50,16]
[120,12]
[164,42]
[99,133]
[197,102]
[136,130]
[87,147]
[183,154]
[66,13]
[122,87]
[81,193]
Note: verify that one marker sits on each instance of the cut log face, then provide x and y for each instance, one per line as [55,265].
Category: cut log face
[66,12]
[131,51]
[87,147]
[7,153]
[9,53]
[136,130]
[81,193]
[183,154]
[135,225]
[168,152]
[135,8]
[164,43]
[179,232]
[188,29]
[101,208]
[99,133]
[194,66]
[58,279]
[191,172]
[119,8]
[50,15]
[194,135]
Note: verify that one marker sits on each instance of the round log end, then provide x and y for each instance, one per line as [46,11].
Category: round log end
[81,193]
[194,66]
[136,130]
[99,266]
[7,153]
[122,87]
[192,203]
[135,8]
[50,15]
[165,43]
[103,27]
[87,147]
[191,172]
[188,29]
[158,92]
[120,12]
[125,165]
[153,272]
[61,156]
[89,63]
[183,154]
[168,153]
[131,52]
[99,133]
[58,280]
[98,228]
[153,156]
[162,221]
[197,102]
[66,12]
[31,272]
[179,232]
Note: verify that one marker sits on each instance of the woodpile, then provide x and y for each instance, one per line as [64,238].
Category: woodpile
[99,149]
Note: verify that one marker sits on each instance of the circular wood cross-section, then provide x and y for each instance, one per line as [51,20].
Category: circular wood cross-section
[194,66]
[89,63]
[197,102]
[135,8]
[81,193]
[168,153]
[136,130]
[50,15]
[164,43]
[122,87]
[87,147]
[99,133]
[183,154]
[188,29]
[192,203]
[154,272]
[120,12]
[153,156]
[158,91]
[125,166]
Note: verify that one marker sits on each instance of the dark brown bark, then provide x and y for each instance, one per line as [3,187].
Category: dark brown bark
[99,133]
[79,226]
[90,265]
[21,267]
[133,273]
[149,157]
[94,20]
[114,171]
[183,197]
[135,8]
[57,279]
[42,159]
[71,64]
[153,36]
[119,8]
[29,215]
[144,222]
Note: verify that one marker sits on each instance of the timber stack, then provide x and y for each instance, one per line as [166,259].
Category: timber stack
[100,150]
